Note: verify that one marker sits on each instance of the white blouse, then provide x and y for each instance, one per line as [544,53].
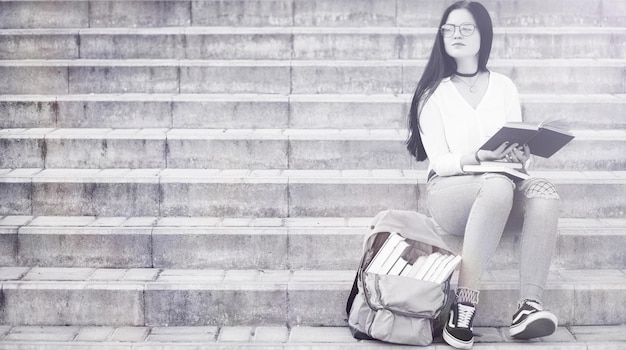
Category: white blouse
[450,127]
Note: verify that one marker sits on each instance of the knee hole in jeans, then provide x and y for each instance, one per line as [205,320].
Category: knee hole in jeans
[541,188]
[500,184]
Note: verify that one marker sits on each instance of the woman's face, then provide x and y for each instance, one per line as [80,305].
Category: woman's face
[460,43]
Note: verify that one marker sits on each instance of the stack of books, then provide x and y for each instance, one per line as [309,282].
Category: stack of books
[391,260]
[515,170]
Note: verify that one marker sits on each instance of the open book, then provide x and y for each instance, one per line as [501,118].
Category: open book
[543,140]
[515,170]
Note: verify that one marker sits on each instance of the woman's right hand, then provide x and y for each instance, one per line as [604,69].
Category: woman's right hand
[497,154]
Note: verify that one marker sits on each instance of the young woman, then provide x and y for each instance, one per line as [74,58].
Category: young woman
[458,104]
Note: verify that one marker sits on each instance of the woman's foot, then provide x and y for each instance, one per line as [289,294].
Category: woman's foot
[458,330]
[531,321]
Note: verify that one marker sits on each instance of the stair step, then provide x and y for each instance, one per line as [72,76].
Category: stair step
[155,297]
[267,111]
[84,13]
[263,243]
[262,193]
[260,149]
[281,337]
[297,43]
[288,77]
[146,110]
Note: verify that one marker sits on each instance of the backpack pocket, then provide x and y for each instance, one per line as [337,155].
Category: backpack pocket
[386,326]
[404,296]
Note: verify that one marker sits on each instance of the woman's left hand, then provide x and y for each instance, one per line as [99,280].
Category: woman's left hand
[519,154]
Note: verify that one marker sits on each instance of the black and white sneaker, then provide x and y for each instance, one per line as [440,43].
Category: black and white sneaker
[458,331]
[531,321]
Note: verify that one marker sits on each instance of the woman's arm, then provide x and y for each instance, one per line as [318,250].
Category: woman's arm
[434,137]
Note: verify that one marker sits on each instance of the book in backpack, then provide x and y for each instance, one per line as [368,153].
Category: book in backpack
[403,281]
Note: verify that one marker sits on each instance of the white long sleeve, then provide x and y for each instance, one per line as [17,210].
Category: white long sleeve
[450,127]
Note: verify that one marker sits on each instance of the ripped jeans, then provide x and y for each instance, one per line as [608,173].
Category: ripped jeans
[479,207]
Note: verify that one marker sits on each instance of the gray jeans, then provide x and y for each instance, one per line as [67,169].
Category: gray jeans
[479,207]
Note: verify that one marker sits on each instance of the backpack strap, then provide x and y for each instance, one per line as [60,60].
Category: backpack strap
[355,288]
[353,293]
[378,242]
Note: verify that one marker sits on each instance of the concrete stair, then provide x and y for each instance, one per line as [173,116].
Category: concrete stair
[85,76]
[162,297]
[262,193]
[277,13]
[293,243]
[271,111]
[260,149]
[298,43]
[205,171]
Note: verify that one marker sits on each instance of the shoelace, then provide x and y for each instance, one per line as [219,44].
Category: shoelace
[465,315]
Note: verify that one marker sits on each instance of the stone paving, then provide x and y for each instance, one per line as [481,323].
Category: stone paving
[280,337]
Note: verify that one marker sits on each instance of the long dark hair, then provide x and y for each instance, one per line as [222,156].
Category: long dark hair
[440,65]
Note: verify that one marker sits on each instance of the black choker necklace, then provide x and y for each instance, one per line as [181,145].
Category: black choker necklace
[466,75]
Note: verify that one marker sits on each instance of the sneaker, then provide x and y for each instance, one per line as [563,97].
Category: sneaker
[531,321]
[458,331]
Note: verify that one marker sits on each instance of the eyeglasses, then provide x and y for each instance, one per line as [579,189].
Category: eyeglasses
[466,29]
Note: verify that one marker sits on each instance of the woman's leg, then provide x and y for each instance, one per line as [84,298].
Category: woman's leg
[538,201]
[540,204]
[477,207]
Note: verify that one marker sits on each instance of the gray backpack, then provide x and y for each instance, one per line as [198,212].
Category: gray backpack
[392,308]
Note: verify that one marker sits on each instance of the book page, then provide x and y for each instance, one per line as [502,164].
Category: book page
[555,123]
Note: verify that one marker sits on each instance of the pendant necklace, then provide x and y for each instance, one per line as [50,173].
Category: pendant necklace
[471,86]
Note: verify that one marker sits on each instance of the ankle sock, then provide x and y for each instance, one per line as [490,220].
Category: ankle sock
[467,296]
